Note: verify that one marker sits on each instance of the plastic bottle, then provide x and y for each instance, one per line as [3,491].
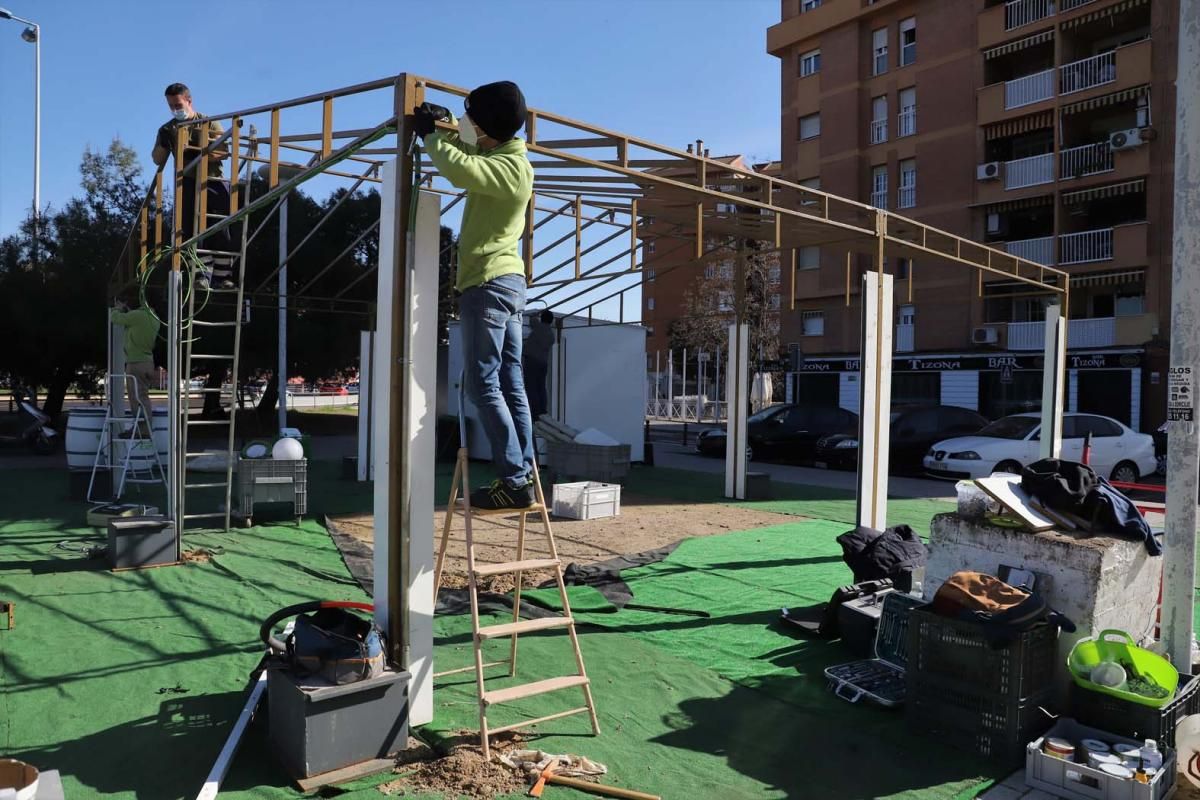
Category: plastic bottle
[1151,755]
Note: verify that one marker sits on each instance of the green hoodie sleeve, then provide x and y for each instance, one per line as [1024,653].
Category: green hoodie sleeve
[468,170]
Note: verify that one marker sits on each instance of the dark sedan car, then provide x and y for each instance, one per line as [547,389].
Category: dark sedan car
[784,432]
[913,431]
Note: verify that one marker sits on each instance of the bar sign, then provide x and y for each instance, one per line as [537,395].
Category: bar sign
[1180,390]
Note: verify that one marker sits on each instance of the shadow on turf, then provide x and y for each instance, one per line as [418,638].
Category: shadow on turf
[826,748]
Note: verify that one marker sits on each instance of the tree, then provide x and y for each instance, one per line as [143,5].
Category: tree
[52,312]
[709,304]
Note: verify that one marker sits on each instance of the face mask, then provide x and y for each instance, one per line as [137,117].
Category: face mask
[466,130]
[180,114]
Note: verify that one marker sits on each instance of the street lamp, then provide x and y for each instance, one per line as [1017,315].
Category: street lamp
[33,35]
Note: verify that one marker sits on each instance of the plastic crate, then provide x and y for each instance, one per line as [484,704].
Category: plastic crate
[608,463]
[941,647]
[586,500]
[1134,720]
[270,480]
[960,714]
[1079,781]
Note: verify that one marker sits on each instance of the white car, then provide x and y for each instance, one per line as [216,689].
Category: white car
[1012,442]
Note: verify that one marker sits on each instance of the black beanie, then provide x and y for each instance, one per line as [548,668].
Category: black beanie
[498,109]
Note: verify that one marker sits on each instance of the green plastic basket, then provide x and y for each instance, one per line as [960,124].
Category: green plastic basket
[1113,645]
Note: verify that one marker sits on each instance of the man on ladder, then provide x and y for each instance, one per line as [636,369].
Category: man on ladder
[141,332]
[487,160]
[220,267]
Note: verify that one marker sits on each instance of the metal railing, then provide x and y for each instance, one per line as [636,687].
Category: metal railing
[1029,89]
[1088,159]
[1085,246]
[1029,171]
[1023,12]
[903,343]
[906,122]
[878,131]
[907,196]
[1039,251]
[879,199]
[1098,332]
[1068,5]
[1088,72]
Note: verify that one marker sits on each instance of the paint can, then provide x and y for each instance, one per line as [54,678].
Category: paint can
[1059,748]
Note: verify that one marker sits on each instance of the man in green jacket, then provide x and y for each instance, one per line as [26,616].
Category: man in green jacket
[487,160]
[141,331]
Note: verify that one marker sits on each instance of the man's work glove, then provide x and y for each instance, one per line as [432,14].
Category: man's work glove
[426,117]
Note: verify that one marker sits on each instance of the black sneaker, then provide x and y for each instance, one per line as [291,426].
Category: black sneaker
[501,495]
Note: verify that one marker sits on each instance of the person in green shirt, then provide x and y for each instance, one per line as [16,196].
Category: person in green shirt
[141,332]
[486,158]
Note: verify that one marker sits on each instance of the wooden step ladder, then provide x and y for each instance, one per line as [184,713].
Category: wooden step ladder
[460,503]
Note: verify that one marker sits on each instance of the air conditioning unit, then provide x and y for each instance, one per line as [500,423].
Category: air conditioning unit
[988,172]
[985,335]
[1125,140]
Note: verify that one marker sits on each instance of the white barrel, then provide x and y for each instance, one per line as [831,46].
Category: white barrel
[142,459]
[84,427]
[162,439]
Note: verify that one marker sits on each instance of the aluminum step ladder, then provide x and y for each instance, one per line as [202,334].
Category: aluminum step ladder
[460,504]
[209,311]
[139,463]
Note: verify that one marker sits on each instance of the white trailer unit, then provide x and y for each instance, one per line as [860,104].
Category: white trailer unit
[597,380]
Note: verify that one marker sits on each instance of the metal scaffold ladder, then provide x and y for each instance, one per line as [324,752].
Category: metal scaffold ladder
[209,314]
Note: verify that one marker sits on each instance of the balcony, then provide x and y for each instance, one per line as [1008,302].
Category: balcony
[1085,247]
[1088,73]
[1089,159]
[906,123]
[1024,12]
[1039,251]
[1029,89]
[903,343]
[1098,332]
[878,131]
[1030,171]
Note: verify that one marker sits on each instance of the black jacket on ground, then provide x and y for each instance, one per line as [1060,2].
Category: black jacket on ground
[893,553]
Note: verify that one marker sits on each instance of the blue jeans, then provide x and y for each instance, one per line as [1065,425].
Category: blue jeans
[492,334]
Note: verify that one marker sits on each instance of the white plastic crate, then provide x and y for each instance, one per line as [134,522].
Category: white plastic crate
[1081,782]
[587,500]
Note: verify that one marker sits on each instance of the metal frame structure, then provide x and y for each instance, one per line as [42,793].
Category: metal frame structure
[588,179]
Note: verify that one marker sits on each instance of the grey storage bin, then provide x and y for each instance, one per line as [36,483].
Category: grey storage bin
[272,480]
[596,462]
[135,542]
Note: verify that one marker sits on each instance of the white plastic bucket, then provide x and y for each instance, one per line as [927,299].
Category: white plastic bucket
[84,426]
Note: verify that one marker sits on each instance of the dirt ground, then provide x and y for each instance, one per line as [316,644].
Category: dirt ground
[461,773]
[644,524]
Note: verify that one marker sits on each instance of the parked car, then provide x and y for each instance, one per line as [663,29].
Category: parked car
[913,431]
[785,432]
[333,388]
[1011,442]
[352,387]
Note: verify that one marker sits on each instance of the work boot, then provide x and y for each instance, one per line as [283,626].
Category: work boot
[501,495]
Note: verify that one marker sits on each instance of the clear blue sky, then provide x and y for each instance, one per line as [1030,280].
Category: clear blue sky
[668,70]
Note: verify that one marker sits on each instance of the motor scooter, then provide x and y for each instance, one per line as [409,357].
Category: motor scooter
[32,429]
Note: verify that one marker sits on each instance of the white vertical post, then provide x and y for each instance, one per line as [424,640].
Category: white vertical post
[116,366]
[737,393]
[657,381]
[366,450]
[683,389]
[1182,459]
[670,384]
[875,400]
[416,556]
[281,362]
[717,389]
[175,386]
[1052,382]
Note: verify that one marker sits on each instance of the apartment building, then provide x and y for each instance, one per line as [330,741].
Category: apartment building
[670,271]
[1044,127]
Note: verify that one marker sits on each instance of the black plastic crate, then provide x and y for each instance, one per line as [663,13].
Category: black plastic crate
[944,648]
[966,717]
[1123,718]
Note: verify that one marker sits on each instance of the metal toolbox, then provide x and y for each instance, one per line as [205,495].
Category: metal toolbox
[880,679]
